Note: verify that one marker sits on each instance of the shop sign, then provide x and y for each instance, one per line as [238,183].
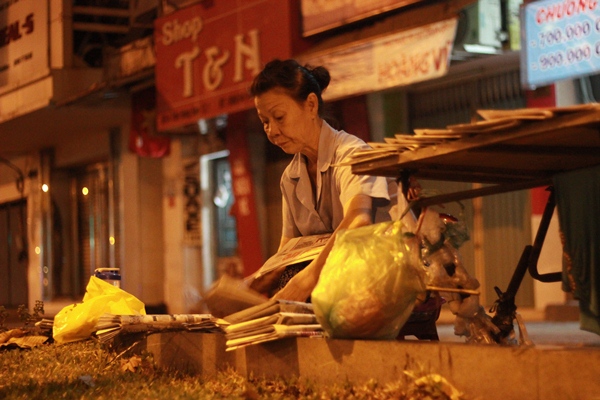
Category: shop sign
[207,55]
[322,15]
[395,60]
[23,43]
[561,40]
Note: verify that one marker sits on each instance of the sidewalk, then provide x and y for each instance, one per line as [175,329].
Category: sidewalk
[540,330]
[490,372]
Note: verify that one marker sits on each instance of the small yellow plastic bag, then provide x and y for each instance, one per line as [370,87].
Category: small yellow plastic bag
[77,321]
[369,283]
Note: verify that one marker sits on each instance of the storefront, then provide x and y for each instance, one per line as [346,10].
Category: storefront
[165,172]
[206,58]
[61,126]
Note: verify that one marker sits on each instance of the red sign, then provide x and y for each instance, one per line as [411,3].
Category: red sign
[207,55]
[544,96]
[244,208]
[143,139]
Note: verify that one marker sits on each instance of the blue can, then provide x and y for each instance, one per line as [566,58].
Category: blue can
[109,275]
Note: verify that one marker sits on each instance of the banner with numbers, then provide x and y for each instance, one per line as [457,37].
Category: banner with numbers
[561,40]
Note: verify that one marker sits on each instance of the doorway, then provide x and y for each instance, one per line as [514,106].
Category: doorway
[13,254]
[81,214]
[219,253]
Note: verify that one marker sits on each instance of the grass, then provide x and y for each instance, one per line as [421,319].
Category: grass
[89,370]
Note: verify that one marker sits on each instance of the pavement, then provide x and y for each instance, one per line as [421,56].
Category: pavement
[482,372]
[540,330]
[541,333]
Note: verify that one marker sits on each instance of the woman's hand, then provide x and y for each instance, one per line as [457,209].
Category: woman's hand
[357,212]
[300,286]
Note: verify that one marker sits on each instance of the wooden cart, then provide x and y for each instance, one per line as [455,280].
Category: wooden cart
[523,156]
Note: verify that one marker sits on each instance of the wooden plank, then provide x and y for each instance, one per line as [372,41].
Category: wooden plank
[530,151]
[485,191]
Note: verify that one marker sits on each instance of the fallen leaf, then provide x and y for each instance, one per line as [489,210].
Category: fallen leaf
[13,333]
[131,364]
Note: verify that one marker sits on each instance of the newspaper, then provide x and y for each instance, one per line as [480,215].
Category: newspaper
[275,332]
[110,325]
[272,320]
[297,250]
[229,295]
[268,308]
[258,325]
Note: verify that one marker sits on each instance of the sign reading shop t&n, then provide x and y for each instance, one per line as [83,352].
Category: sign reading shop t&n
[208,53]
[561,40]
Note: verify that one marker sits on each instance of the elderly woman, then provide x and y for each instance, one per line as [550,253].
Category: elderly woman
[320,194]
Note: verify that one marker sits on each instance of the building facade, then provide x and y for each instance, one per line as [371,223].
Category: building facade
[132,145]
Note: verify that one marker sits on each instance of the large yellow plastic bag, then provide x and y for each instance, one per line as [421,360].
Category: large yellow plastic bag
[77,321]
[369,283]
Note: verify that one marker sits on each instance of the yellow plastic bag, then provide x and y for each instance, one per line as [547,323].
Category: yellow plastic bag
[369,284]
[77,321]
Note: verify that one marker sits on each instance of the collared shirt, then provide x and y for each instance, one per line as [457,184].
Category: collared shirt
[307,213]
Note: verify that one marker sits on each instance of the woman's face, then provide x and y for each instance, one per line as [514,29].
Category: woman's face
[286,123]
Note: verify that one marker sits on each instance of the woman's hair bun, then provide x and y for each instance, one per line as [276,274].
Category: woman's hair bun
[321,75]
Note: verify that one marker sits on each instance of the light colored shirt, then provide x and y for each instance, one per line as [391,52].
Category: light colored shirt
[305,213]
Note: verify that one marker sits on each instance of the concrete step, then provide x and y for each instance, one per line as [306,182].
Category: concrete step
[480,371]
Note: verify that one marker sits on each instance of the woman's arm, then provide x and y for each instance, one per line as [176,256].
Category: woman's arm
[357,212]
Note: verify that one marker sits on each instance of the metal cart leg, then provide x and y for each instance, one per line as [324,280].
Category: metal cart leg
[505,308]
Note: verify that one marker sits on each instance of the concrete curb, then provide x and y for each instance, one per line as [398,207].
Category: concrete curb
[480,371]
